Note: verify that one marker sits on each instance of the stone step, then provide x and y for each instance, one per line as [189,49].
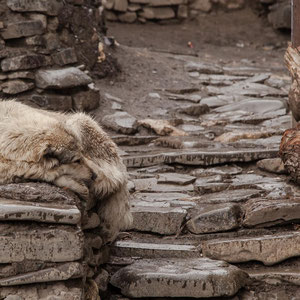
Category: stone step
[154,250]
[269,249]
[198,278]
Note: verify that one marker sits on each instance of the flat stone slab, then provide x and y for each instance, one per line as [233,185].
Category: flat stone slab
[11,210]
[120,122]
[58,273]
[152,250]
[198,278]
[217,219]
[226,170]
[203,68]
[162,220]
[264,212]
[55,244]
[272,165]
[175,178]
[61,78]
[269,249]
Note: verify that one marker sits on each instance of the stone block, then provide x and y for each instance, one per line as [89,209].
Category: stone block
[21,74]
[24,62]
[55,244]
[128,17]
[121,122]
[111,16]
[175,178]
[165,2]
[86,100]
[121,5]
[64,57]
[51,8]
[198,278]
[182,11]
[13,87]
[23,29]
[61,78]
[158,13]
[39,17]
[203,68]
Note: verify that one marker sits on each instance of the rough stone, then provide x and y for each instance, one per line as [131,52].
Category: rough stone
[195,110]
[273,165]
[24,62]
[21,74]
[202,5]
[165,2]
[86,100]
[280,15]
[217,219]
[210,184]
[120,5]
[203,68]
[269,249]
[51,8]
[102,280]
[198,278]
[175,178]
[121,122]
[55,244]
[233,136]
[128,17]
[162,220]
[182,11]
[226,170]
[195,98]
[152,250]
[39,17]
[159,13]
[264,212]
[23,29]
[61,78]
[65,57]
[14,87]
[111,16]
[219,79]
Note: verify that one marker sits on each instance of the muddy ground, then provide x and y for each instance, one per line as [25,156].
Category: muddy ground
[152,56]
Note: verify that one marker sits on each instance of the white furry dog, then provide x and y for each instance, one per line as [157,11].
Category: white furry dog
[69,150]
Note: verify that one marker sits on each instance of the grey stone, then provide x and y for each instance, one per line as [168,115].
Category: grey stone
[219,79]
[24,62]
[264,212]
[57,273]
[111,16]
[226,170]
[210,184]
[162,220]
[243,70]
[273,165]
[120,5]
[61,78]
[203,68]
[165,2]
[14,87]
[217,219]
[13,210]
[39,17]
[23,29]
[134,7]
[182,11]
[21,74]
[280,15]
[175,178]
[202,5]
[195,98]
[159,13]
[269,249]
[121,122]
[143,160]
[86,100]
[55,244]
[198,278]
[128,17]
[195,110]
[51,8]
[109,4]
[102,280]
[152,250]
[64,57]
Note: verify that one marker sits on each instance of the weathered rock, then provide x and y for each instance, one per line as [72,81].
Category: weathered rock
[12,210]
[55,244]
[175,178]
[273,165]
[121,122]
[198,278]
[151,250]
[203,68]
[21,74]
[65,57]
[211,184]
[51,8]
[269,249]
[13,87]
[90,221]
[233,136]
[128,17]
[226,170]
[195,98]
[22,29]
[165,2]
[159,13]
[102,280]
[263,212]
[120,5]
[111,16]
[217,219]
[182,11]
[24,62]
[159,219]
[86,100]
[219,79]
[61,78]
[60,272]
[195,110]
[143,160]
[202,5]
[280,15]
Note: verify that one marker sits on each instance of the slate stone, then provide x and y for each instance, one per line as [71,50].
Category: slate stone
[61,78]
[158,13]
[210,184]
[16,86]
[191,98]
[24,62]
[152,250]
[217,219]
[86,100]
[121,122]
[143,160]
[21,74]
[219,79]
[175,178]
[195,110]
[65,57]
[198,278]
[128,17]
[13,210]
[244,70]
[162,220]
[272,165]
[165,2]
[57,273]
[264,212]
[120,5]
[55,244]
[51,8]
[226,170]
[280,15]
[203,68]
[22,29]
[269,249]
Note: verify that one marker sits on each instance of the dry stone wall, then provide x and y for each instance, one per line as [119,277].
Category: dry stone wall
[47,51]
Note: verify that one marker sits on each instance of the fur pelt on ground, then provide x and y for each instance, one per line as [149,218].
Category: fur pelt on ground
[70,151]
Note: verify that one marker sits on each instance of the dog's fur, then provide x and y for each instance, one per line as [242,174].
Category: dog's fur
[68,150]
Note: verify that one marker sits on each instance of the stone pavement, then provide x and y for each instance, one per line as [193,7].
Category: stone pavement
[215,215]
